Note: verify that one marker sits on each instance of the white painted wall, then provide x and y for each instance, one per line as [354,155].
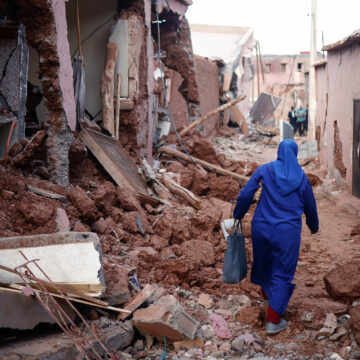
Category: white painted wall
[92,14]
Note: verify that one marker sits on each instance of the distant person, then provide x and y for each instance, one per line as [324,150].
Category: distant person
[300,119]
[276,228]
[292,118]
[306,119]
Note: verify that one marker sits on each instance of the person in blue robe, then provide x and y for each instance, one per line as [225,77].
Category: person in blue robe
[276,227]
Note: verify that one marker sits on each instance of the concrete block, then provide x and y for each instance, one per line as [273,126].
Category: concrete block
[167,318]
[62,221]
[139,299]
[116,336]
[25,312]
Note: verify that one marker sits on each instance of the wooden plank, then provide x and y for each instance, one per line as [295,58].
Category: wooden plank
[210,114]
[115,160]
[50,286]
[45,193]
[180,191]
[204,164]
[18,289]
[139,299]
[107,88]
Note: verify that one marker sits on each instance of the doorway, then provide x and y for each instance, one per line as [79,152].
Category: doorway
[356,150]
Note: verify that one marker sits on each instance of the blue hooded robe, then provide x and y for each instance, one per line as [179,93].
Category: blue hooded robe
[276,225]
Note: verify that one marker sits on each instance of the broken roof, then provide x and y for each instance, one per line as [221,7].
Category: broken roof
[347,41]
[218,41]
[321,62]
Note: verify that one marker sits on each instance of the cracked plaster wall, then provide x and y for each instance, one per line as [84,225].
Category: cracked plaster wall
[338,84]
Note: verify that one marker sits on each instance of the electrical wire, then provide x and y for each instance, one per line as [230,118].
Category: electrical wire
[92,33]
[164,88]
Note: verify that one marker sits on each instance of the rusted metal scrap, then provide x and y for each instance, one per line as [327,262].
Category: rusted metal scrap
[85,344]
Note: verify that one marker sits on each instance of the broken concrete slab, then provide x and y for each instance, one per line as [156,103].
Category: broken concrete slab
[25,312]
[67,258]
[139,299]
[166,318]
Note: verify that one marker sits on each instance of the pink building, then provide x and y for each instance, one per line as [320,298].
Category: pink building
[284,69]
[338,110]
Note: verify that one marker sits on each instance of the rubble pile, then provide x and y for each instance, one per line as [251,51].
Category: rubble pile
[179,250]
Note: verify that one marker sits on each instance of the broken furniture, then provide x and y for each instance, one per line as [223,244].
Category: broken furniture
[264,107]
[115,160]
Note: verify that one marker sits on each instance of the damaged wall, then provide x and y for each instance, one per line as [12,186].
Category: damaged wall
[233,45]
[338,85]
[208,78]
[47,33]
[91,16]
[176,47]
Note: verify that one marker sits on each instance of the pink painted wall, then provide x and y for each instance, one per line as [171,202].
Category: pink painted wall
[207,74]
[276,76]
[343,78]
[66,71]
[320,116]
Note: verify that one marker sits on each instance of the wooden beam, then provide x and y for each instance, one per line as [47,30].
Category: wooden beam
[107,88]
[116,161]
[16,288]
[139,299]
[204,164]
[50,287]
[211,113]
[117,110]
[176,189]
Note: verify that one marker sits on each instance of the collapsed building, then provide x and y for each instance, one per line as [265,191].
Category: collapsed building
[231,47]
[40,42]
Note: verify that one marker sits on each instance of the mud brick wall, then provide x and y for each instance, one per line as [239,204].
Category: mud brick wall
[46,26]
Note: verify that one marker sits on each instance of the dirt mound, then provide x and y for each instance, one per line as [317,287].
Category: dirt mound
[223,187]
[196,145]
[202,148]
